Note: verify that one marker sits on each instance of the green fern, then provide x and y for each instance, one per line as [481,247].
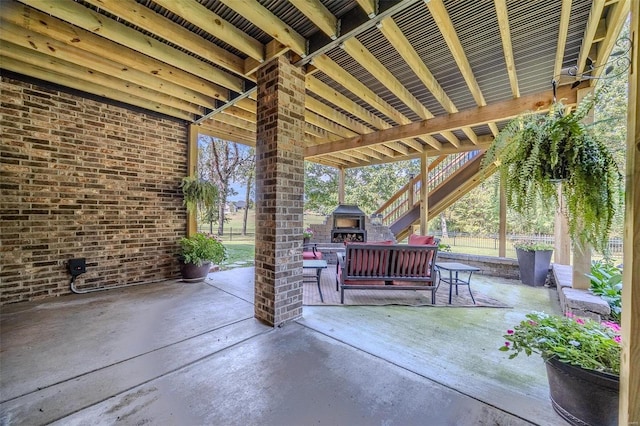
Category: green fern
[198,192]
[533,152]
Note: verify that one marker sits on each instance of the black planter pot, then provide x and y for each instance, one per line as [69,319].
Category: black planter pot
[534,266]
[192,273]
[583,397]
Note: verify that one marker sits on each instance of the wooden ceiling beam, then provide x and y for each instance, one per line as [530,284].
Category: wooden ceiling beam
[397,39]
[90,87]
[453,139]
[468,131]
[273,49]
[75,38]
[349,82]
[261,17]
[369,7]
[494,128]
[507,48]
[232,120]
[28,41]
[241,113]
[589,33]
[368,61]
[502,110]
[433,142]
[328,125]
[204,18]
[442,19]
[615,20]
[565,14]
[43,61]
[140,16]
[81,16]
[228,132]
[333,114]
[317,13]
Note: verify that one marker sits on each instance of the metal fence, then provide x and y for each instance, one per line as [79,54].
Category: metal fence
[463,242]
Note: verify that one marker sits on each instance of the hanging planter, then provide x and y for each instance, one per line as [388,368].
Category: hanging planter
[198,192]
[534,153]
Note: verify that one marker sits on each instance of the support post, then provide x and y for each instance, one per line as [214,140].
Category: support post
[582,252]
[341,181]
[562,240]
[192,162]
[502,227]
[424,192]
[629,413]
[279,191]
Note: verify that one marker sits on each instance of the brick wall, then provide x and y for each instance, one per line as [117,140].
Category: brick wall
[279,191]
[81,178]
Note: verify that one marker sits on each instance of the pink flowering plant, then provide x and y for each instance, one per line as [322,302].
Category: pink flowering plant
[585,343]
[307,233]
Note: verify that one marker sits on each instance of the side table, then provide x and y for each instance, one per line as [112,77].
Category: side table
[454,279]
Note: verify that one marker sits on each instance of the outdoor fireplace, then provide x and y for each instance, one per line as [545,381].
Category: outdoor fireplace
[348,224]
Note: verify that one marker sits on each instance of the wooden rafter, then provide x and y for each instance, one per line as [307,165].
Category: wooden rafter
[319,15]
[505,34]
[262,18]
[204,18]
[85,18]
[476,116]
[589,34]
[365,58]
[614,21]
[442,19]
[85,41]
[390,29]
[565,14]
[369,7]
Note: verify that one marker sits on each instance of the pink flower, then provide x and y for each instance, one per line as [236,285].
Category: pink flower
[507,344]
[533,323]
[580,321]
[509,331]
[612,325]
[618,339]
[569,315]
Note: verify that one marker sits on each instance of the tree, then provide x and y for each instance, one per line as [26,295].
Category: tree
[219,161]
[246,174]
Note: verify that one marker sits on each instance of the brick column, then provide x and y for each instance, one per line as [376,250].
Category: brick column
[279,191]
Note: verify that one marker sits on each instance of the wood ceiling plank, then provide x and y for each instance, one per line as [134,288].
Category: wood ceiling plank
[330,126]
[453,139]
[507,48]
[273,49]
[349,82]
[262,18]
[433,142]
[468,131]
[44,61]
[394,35]
[85,18]
[589,33]
[89,87]
[369,7]
[615,20]
[412,143]
[228,132]
[30,41]
[368,61]
[565,14]
[327,92]
[317,13]
[224,117]
[147,19]
[241,113]
[44,24]
[502,110]
[332,114]
[494,128]
[442,19]
[198,15]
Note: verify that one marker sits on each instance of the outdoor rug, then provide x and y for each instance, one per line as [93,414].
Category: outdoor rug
[311,297]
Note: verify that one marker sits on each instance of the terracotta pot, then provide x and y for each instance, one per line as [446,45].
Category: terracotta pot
[583,397]
[192,273]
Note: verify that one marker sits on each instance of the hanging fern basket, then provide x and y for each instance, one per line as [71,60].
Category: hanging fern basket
[198,192]
[535,152]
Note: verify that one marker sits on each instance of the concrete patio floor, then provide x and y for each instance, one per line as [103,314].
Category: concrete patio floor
[172,353]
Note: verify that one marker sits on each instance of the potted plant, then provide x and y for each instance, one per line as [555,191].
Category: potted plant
[534,258]
[582,358]
[534,152]
[198,192]
[307,234]
[197,253]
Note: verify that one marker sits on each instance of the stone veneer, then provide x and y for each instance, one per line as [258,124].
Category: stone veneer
[279,191]
[83,178]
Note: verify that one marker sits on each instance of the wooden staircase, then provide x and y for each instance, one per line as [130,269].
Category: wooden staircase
[450,177]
